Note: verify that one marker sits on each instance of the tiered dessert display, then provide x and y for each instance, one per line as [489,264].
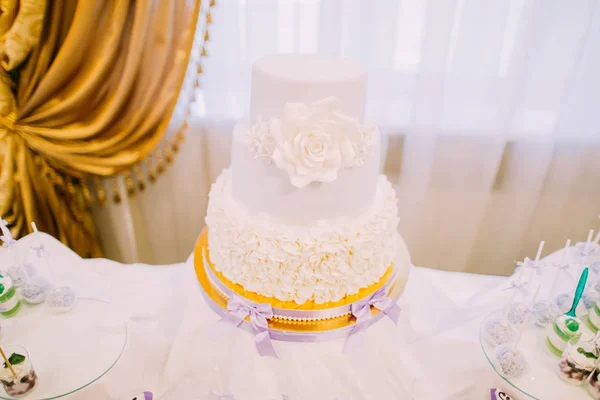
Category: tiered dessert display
[545,348]
[302,229]
[301,240]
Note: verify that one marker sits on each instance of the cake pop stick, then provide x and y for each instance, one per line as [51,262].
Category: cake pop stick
[41,251]
[560,266]
[597,238]
[537,292]
[539,252]
[537,266]
[589,240]
[517,287]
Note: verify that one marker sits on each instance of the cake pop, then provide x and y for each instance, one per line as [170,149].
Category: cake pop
[61,299]
[544,313]
[498,331]
[35,290]
[517,313]
[564,301]
[511,361]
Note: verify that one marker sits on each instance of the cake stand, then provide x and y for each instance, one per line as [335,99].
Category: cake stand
[69,351]
[540,379]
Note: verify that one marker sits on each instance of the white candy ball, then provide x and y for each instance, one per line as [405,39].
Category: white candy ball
[517,313]
[544,313]
[498,332]
[61,299]
[511,361]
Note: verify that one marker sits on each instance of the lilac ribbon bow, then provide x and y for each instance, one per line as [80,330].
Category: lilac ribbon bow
[532,264]
[585,249]
[565,268]
[39,249]
[520,287]
[238,309]
[362,311]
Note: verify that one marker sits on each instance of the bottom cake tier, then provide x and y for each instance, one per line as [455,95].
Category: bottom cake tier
[319,263]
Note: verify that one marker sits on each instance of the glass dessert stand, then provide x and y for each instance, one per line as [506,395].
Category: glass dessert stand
[539,379]
[70,350]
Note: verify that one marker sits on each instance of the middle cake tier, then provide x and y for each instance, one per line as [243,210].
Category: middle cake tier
[322,261]
[262,187]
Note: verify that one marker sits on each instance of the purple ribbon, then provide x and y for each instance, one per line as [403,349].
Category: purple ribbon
[39,249]
[237,311]
[520,287]
[216,330]
[565,268]
[585,249]
[532,264]
[362,311]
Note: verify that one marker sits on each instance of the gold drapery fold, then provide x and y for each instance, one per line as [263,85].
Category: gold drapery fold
[87,88]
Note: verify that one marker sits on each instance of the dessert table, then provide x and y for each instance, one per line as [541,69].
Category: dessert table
[441,314]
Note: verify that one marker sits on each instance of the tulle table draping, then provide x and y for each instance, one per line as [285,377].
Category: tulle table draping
[434,352]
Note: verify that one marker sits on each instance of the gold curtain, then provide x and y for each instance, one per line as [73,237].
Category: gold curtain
[87,89]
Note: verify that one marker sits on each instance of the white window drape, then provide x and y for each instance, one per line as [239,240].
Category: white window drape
[491,110]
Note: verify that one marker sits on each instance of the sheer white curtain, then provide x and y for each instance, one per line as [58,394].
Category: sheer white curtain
[491,109]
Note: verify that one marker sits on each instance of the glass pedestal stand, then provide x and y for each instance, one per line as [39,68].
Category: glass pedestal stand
[70,351]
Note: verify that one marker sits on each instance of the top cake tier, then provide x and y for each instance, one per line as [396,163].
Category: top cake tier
[281,79]
[306,154]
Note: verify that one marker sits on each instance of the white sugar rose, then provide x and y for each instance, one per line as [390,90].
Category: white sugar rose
[313,142]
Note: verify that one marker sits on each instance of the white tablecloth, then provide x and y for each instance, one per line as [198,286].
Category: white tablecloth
[441,311]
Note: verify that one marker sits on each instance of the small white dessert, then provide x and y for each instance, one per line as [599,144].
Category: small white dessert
[32,293]
[578,362]
[564,328]
[517,313]
[24,383]
[511,361]
[498,331]
[544,313]
[61,299]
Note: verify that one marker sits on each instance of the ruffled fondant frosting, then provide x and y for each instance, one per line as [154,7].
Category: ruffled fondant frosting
[323,262]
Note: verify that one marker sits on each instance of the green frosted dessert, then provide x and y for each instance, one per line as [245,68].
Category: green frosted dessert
[9,301]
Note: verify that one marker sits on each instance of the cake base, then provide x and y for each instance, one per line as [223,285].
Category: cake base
[232,366]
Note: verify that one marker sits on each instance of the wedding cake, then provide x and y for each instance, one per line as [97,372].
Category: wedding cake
[303,217]
[300,266]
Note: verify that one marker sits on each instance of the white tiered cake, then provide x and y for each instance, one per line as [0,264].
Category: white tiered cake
[301,259]
[303,214]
